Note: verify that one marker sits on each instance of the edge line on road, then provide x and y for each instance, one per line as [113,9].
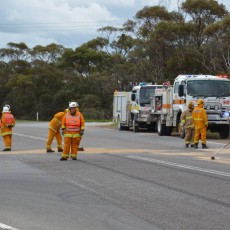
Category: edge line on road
[3,226]
[220,173]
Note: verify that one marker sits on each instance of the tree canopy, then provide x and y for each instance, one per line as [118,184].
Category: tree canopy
[155,46]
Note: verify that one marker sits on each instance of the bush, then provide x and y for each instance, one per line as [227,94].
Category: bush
[92,113]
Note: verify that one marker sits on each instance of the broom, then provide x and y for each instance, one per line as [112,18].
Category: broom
[214,154]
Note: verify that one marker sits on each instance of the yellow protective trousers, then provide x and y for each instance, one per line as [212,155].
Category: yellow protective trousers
[71,143]
[51,135]
[7,141]
[189,136]
[200,133]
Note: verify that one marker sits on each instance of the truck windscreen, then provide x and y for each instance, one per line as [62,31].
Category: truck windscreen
[146,93]
[208,88]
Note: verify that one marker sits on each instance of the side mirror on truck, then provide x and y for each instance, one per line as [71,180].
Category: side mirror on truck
[133,96]
[181,90]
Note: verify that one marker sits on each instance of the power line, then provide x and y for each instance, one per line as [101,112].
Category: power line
[59,27]
[60,23]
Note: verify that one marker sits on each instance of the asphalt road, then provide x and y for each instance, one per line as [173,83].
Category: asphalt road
[122,181]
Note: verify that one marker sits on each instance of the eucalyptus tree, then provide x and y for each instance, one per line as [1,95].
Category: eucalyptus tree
[219,48]
[151,52]
[202,14]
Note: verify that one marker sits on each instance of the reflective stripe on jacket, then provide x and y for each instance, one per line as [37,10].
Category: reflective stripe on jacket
[56,122]
[200,118]
[8,118]
[186,119]
[76,120]
[73,123]
[77,124]
[5,130]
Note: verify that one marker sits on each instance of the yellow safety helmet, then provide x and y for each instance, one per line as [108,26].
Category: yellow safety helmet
[190,105]
[200,101]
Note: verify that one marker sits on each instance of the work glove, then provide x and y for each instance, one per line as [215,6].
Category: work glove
[10,126]
[82,132]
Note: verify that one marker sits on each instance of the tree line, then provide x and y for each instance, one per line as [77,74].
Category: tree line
[155,46]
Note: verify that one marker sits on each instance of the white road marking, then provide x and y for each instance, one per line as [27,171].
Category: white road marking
[220,173]
[4,227]
[29,136]
[216,143]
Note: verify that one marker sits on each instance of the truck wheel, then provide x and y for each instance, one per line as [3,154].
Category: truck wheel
[224,132]
[161,129]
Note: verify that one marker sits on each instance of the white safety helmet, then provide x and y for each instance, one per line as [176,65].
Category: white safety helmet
[7,106]
[5,109]
[73,104]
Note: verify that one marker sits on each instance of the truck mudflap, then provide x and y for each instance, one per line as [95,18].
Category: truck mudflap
[148,120]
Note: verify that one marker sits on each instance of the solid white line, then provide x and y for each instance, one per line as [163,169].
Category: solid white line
[29,136]
[226,174]
[216,143]
[3,226]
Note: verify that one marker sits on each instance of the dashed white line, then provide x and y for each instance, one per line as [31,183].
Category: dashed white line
[29,136]
[5,227]
[220,173]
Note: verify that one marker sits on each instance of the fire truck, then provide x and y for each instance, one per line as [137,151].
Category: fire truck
[132,109]
[169,102]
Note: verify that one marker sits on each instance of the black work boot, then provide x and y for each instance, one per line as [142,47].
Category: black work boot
[204,146]
[50,151]
[6,149]
[186,145]
[196,146]
[60,150]
[63,159]
[192,145]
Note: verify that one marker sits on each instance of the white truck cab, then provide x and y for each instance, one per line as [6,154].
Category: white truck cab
[214,90]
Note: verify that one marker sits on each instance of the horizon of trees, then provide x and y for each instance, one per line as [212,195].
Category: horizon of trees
[156,46]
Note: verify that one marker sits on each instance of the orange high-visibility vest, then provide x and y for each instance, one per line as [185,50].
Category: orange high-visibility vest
[73,123]
[9,118]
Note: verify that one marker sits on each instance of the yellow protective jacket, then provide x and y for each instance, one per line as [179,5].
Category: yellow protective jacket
[186,119]
[75,122]
[7,123]
[56,122]
[200,118]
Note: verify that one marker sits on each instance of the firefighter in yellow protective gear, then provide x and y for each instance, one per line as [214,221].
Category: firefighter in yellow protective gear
[200,120]
[187,122]
[73,126]
[54,131]
[6,124]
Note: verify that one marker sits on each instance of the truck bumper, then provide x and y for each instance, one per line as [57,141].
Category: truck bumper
[218,122]
[147,120]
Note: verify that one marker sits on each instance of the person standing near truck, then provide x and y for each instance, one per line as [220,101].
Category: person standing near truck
[187,123]
[200,120]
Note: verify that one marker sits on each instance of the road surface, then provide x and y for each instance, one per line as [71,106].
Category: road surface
[122,181]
